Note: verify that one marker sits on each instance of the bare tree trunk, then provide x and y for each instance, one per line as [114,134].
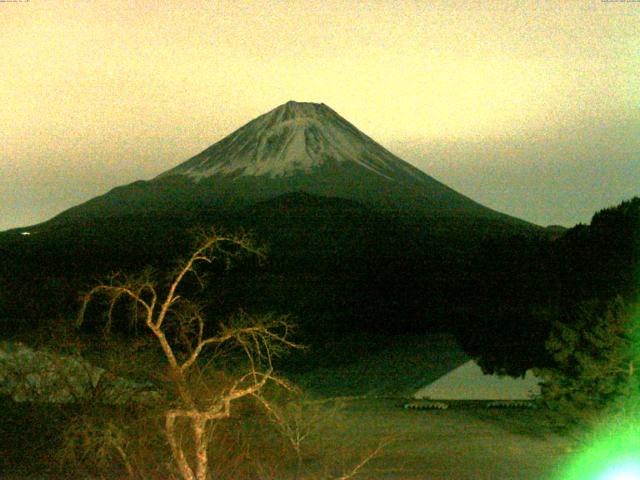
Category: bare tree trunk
[199,425]
[176,449]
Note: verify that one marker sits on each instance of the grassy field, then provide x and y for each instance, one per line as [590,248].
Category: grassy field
[455,444]
[357,403]
[466,441]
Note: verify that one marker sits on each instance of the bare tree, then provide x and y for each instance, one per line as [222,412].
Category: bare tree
[178,325]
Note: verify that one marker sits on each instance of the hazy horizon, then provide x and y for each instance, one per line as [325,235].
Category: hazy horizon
[528,108]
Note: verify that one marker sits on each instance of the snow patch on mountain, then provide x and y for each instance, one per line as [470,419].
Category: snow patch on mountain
[293,138]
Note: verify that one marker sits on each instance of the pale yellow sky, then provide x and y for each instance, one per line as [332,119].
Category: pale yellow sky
[100,93]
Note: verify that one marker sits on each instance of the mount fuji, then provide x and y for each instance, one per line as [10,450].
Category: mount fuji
[296,147]
[294,138]
[357,236]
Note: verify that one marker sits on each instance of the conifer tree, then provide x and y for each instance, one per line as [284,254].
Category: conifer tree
[596,356]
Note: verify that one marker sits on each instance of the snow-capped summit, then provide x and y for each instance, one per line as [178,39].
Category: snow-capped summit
[295,137]
[297,147]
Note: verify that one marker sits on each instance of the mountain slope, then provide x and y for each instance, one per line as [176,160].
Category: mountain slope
[291,139]
[297,147]
[358,238]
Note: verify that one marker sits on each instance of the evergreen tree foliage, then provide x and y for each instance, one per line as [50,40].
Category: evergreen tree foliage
[596,357]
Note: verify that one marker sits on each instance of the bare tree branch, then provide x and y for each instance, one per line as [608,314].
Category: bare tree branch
[255,336]
[370,456]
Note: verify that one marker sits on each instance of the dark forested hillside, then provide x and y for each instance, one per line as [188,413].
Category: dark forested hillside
[335,264]
[338,265]
[524,284]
